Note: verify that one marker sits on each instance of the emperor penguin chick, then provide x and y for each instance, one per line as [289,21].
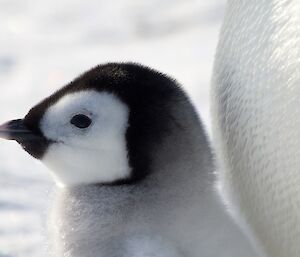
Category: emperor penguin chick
[133,167]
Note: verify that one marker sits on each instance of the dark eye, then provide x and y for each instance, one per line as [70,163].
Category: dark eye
[81,121]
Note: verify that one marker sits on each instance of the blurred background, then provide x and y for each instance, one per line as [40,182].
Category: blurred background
[45,44]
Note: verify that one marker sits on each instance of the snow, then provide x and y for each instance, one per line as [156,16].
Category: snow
[44,44]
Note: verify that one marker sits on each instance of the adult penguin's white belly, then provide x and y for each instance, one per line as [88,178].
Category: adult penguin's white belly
[256,120]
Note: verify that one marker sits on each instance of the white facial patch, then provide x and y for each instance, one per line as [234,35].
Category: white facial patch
[95,154]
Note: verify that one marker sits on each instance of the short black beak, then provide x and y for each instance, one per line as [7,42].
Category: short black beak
[16,130]
[32,142]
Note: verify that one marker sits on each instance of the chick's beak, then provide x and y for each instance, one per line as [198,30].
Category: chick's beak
[32,142]
[16,130]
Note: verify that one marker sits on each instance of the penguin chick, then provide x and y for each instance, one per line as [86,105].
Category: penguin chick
[133,167]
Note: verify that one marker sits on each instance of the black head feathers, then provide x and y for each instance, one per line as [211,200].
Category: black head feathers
[149,95]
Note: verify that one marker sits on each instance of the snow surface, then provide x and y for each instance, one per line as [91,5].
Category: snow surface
[45,44]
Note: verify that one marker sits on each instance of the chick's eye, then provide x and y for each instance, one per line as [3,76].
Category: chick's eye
[81,121]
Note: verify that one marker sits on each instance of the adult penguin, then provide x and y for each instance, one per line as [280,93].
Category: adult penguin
[256,120]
